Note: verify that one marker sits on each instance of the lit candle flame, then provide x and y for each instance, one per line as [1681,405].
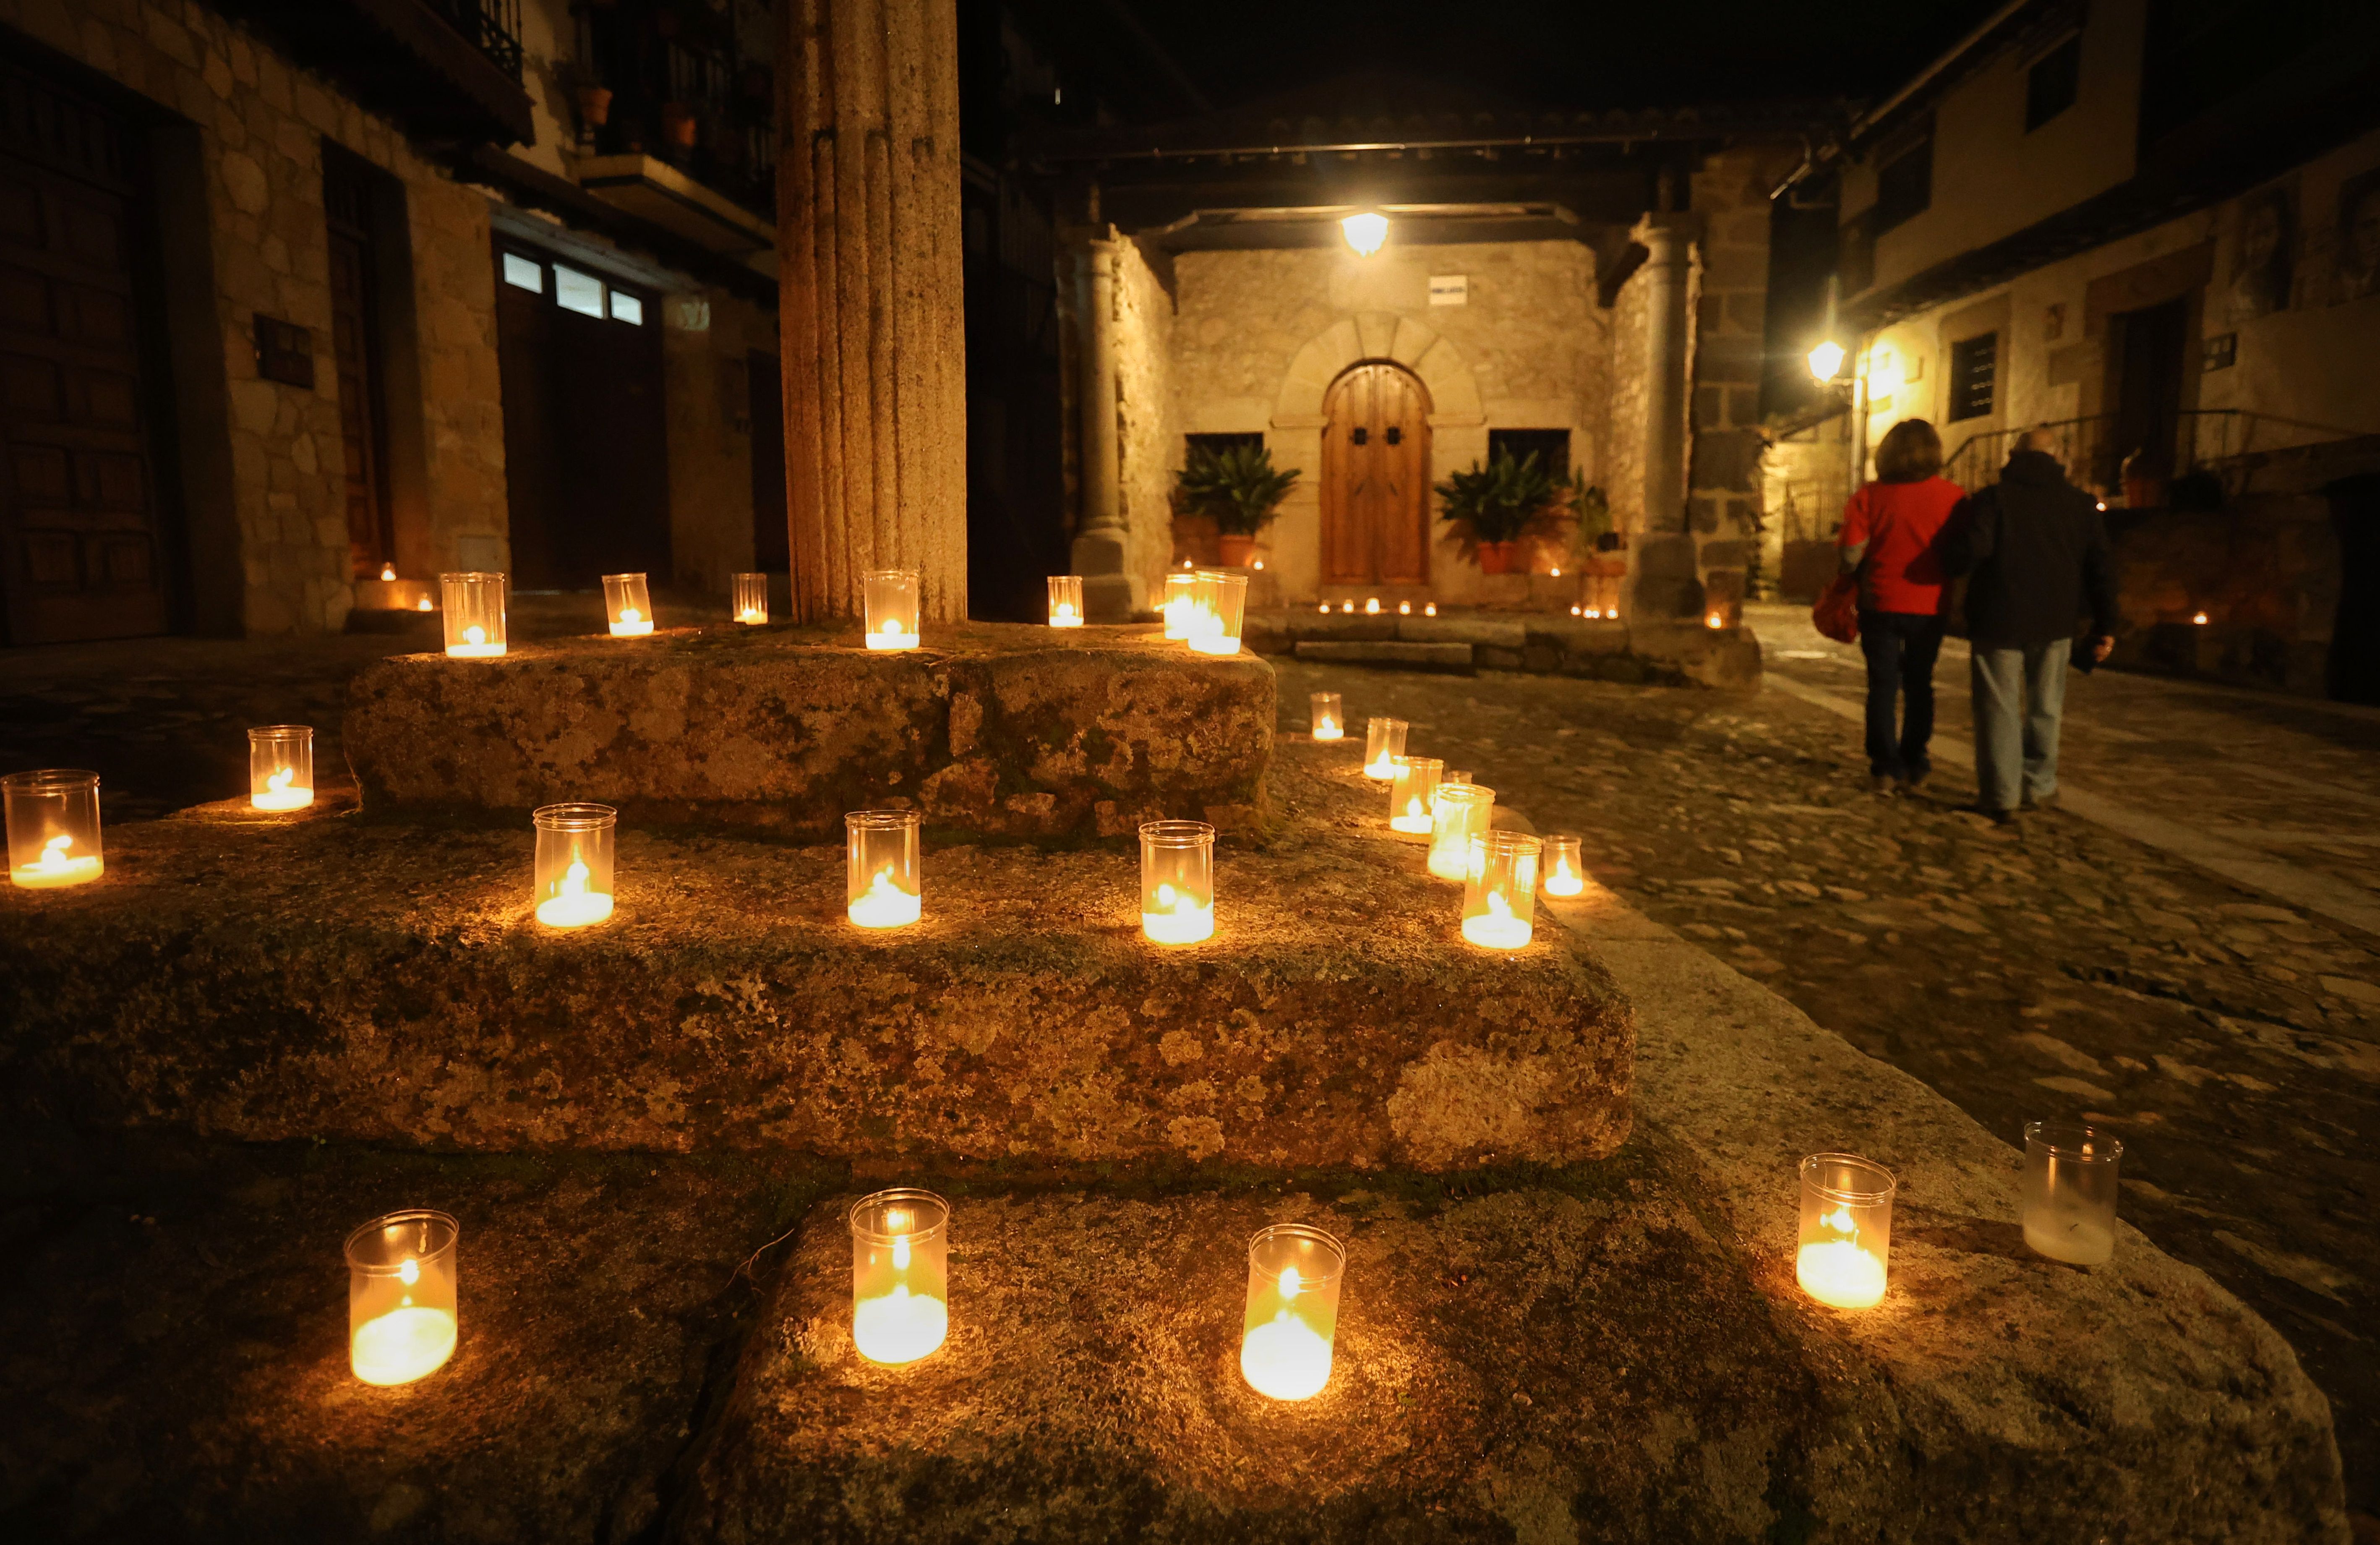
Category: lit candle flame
[388,571]
[575,902]
[54,855]
[885,903]
[1561,879]
[1372,606]
[280,781]
[899,1326]
[629,613]
[1405,608]
[1179,918]
[1290,1283]
[1429,610]
[423,606]
[1347,606]
[475,634]
[56,865]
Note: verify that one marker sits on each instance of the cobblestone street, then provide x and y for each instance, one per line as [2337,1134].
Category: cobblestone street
[2232,1038]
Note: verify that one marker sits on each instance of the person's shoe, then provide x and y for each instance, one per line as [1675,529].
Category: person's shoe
[1882,785]
[1917,778]
[2046,802]
[2002,818]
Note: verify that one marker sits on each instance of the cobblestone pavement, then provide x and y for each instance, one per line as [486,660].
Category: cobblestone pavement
[2060,971]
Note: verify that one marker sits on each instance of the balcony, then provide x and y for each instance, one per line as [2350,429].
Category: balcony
[448,70]
[677,120]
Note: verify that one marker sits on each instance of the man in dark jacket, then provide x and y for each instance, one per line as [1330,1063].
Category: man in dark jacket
[2035,548]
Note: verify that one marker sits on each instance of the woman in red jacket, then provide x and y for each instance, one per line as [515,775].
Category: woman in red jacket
[1890,528]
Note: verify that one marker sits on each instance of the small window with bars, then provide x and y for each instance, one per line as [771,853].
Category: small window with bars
[1975,367]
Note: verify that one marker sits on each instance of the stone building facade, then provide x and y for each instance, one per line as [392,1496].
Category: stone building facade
[238,131]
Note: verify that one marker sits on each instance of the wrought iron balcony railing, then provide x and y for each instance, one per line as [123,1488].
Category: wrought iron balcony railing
[493,26]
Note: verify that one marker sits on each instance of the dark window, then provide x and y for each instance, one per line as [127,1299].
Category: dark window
[1904,185]
[1216,445]
[1552,447]
[2050,85]
[1973,364]
[1855,252]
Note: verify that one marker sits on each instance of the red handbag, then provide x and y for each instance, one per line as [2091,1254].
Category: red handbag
[1837,612]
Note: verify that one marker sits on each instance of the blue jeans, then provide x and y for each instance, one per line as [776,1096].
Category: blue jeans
[1901,646]
[2019,695]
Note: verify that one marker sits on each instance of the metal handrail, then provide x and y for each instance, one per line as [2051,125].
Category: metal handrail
[2212,440]
[493,26]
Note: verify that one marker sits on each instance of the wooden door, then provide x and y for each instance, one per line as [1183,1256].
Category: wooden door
[81,551]
[355,350]
[1376,478]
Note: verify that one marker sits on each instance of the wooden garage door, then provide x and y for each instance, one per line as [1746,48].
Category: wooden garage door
[80,555]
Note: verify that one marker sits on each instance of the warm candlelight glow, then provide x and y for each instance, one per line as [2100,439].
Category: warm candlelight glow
[1558,574]
[280,793]
[1384,741]
[900,1275]
[281,767]
[53,819]
[1347,607]
[628,605]
[1405,608]
[1177,881]
[401,1302]
[1325,608]
[1714,620]
[1326,717]
[1846,1231]
[1219,605]
[1430,609]
[1372,606]
[574,864]
[1065,601]
[884,886]
[1565,872]
[388,571]
[1291,1315]
[750,595]
[890,596]
[423,604]
[2200,619]
[1458,820]
[1413,784]
[1500,890]
[474,623]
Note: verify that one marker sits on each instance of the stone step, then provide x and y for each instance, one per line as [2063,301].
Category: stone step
[993,729]
[352,978]
[1550,643]
[1395,653]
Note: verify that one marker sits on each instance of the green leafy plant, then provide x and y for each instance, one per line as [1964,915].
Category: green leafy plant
[1506,499]
[1237,488]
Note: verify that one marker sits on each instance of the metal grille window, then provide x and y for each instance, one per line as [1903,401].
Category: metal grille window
[1975,365]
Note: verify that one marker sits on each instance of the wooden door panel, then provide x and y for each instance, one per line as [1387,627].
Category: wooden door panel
[1376,477]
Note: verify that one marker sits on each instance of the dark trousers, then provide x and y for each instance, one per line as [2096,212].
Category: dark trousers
[1900,647]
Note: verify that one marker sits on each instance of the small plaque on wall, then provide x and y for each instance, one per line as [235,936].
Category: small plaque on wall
[285,352]
[1449,289]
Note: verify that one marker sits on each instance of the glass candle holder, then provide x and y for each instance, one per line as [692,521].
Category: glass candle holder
[1328,719]
[1384,741]
[1457,820]
[1411,790]
[891,597]
[1177,880]
[1065,601]
[1565,869]
[1293,1310]
[1846,1230]
[574,863]
[281,767]
[401,1310]
[474,615]
[883,867]
[751,598]
[1223,602]
[1499,891]
[2070,1191]
[1447,780]
[628,604]
[1181,599]
[899,1274]
[53,828]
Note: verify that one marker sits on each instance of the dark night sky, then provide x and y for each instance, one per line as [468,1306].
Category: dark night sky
[1561,52]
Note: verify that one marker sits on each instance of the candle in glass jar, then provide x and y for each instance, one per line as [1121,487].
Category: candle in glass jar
[1177,881]
[280,767]
[900,1275]
[1457,819]
[1500,892]
[1384,741]
[574,863]
[474,623]
[53,819]
[1846,1234]
[1412,788]
[890,596]
[1292,1315]
[1065,601]
[2070,1192]
[401,1300]
[883,879]
[1565,871]
[1181,599]
[1328,718]
[629,605]
[751,597]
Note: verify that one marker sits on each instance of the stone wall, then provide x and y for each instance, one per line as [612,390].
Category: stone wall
[261,123]
[1260,335]
[1727,317]
[1148,418]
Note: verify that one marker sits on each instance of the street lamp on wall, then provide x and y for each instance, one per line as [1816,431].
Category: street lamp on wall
[1366,232]
[1824,361]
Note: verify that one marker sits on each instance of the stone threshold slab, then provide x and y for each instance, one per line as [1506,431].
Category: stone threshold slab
[346,979]
[1618,1352]
[998,730]
[1679,653]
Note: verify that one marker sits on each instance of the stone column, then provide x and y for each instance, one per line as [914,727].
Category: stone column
[1100,538]
[870,304]
[1663,583]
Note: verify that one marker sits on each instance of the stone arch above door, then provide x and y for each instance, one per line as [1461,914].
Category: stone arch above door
[1453,394]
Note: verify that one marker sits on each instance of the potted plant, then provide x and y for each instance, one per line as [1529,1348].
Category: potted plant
[1488,510]
[1238,489]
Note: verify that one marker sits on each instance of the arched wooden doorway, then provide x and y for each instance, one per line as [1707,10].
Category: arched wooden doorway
[1376,478]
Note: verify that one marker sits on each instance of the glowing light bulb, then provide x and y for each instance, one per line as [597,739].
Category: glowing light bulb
[1826,360]
[1366,233]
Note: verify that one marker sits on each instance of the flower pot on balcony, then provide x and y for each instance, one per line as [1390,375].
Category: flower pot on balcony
[1497,557]
[594,106]
[678,125]
[1237,551]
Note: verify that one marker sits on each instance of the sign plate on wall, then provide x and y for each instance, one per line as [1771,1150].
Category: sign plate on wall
[1449,289]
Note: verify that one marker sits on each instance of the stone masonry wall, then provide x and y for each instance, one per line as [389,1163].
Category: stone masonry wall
[1149,417]
[261,123]
[1727,320]
[1527,350]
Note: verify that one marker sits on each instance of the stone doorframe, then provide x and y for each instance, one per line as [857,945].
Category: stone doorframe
[1458,426]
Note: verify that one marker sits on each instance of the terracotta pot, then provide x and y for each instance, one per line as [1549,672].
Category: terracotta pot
[1237,551]
[1496,558]
[677,124]
[594,106]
